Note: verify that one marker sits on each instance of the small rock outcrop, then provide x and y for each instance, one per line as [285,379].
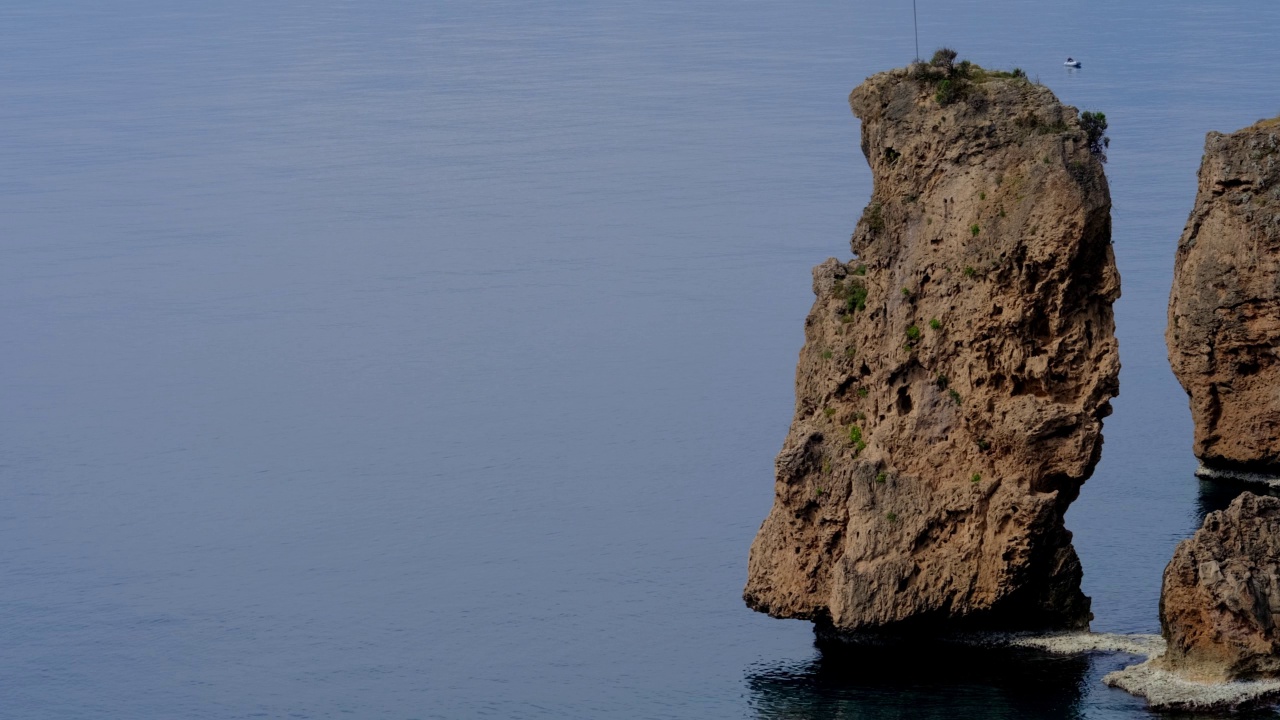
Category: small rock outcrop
[955,374]
[1224,309]
[1220,602]
[1219,614]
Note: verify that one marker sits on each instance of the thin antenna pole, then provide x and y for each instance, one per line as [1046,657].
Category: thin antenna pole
[915,25]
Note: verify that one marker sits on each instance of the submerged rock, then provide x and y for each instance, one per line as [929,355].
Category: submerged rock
[1220,602]
[954,376]
[1224,309]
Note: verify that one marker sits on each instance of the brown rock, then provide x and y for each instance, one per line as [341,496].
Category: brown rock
[1224,310]
[929,464]
[1220,602]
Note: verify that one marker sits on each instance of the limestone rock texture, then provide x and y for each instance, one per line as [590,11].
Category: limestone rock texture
[1224,309]
[1220,601]
[954,376]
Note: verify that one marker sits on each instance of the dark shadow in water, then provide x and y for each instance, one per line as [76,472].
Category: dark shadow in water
[922,683]
[1217,494]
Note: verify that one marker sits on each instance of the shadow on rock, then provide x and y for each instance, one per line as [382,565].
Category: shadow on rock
[1217,493]
[922,683]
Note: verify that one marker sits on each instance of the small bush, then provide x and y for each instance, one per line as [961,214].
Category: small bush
[924,73]
[935,323]
[891,517]
[853,293]
[976,478]
[982,195]
[862,392]
[974,229]
[913,333]
[969,271]
[829,411]
[875,217]
[1095,130]
[983,445]
[950,80]
[827,355]
[941,381]
[944,58]
[881,478]
[906,292]
[860,270]
[855,439]
[949,91]
[857,299]
[955,396]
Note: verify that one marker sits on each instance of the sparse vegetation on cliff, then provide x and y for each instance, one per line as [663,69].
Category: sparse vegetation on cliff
[875,217]
[853,293]
[855,439]
[952,81]
[1095,130]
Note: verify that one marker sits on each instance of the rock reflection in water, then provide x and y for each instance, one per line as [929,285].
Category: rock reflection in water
[922,683]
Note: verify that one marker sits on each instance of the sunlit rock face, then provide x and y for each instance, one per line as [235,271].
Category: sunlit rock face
[1224,309]
[954,377]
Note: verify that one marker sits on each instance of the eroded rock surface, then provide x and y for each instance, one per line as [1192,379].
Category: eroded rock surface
[1224,310]
[1220,602]
[954,376]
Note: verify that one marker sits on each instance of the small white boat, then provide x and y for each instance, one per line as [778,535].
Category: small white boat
[1072,63]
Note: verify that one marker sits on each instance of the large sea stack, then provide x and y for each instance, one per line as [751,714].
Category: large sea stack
[955,373]
[1224,310]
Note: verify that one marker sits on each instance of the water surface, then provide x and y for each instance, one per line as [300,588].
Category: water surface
[428,360]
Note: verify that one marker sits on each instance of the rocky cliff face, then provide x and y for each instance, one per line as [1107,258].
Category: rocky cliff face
[954,376]
[1220,602]
[1224,310]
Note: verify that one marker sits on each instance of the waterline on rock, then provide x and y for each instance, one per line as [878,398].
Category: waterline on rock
[1209,473]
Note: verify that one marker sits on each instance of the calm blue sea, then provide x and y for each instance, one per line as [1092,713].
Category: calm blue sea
[428,359]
